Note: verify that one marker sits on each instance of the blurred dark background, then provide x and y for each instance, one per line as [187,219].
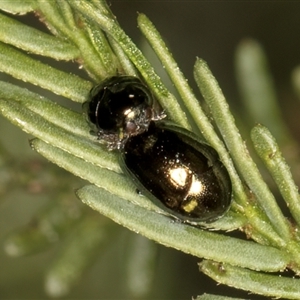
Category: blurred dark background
[207,29]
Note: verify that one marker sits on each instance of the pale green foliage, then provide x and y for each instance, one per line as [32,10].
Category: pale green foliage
[62,136]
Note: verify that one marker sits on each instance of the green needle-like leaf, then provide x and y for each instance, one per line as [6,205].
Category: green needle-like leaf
[188,239]
[216,297]
[36,125]
[65,22]
[112,182]
[35,41]
[108,60]
[220,111]
[268,150]
[18,6]
[254,282]
[51,111]
[126,64]
[23,67]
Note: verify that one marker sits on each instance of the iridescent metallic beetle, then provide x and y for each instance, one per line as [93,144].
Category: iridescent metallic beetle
[170,165]
[118,108]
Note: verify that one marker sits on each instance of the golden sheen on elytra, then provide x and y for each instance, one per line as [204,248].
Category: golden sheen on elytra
[179,173]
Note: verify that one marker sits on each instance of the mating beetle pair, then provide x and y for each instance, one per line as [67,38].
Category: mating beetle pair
[181,174]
